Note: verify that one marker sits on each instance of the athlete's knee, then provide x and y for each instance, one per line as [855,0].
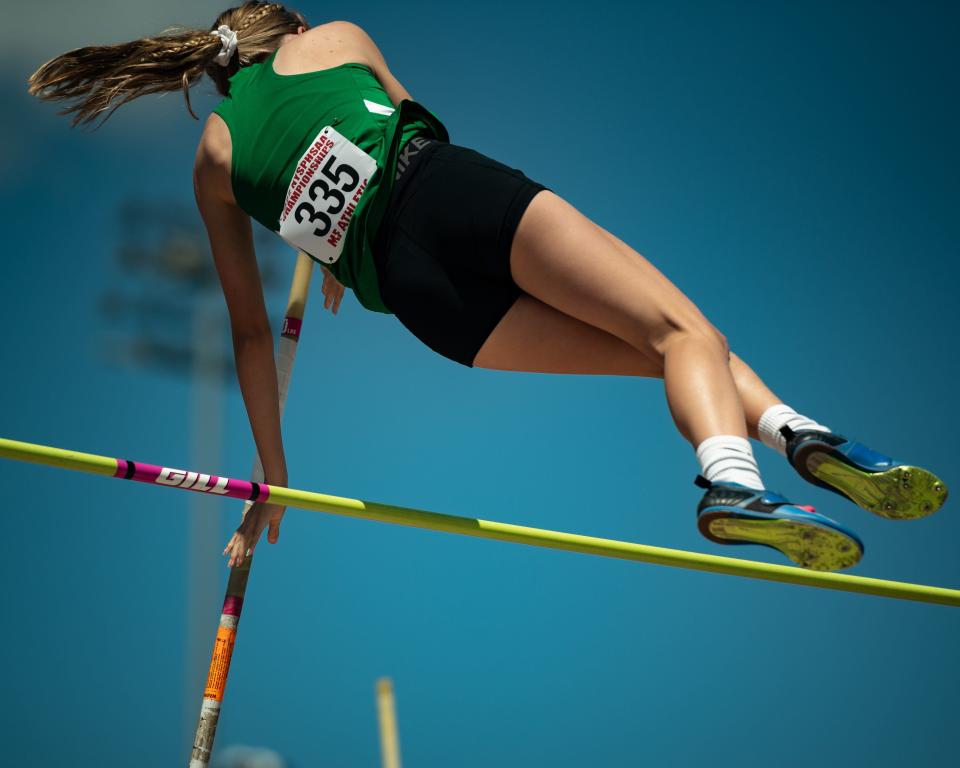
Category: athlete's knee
[721,341]
[695,329]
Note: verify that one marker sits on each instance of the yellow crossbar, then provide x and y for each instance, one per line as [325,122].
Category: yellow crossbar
[486,529]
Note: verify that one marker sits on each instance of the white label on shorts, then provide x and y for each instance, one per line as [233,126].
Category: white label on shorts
[323,195]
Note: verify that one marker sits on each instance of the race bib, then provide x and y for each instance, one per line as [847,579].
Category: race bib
[323,195]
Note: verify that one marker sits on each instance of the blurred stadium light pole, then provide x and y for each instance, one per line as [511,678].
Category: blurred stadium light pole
[205,567]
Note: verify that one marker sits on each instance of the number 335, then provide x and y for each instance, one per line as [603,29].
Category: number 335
[336,192]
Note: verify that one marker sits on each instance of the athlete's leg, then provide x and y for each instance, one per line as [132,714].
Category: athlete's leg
[538,338]
[755,396]
[565,260]
[535,336]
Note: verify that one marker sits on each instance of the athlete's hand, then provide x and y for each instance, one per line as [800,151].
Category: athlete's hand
[332,290]
[245,539]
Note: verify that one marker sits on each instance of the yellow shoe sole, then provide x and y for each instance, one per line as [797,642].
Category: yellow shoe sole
[809,546]
[901,493]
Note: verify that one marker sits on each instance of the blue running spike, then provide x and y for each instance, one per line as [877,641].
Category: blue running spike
[730,513]
[877,483]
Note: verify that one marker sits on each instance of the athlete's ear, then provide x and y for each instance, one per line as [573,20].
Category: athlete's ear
[301,30]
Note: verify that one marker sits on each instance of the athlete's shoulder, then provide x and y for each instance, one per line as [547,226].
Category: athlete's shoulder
[215,145]
[212,164]
[340,33]
[345,27]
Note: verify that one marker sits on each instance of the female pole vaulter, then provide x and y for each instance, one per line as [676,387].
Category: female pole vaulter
[318,141]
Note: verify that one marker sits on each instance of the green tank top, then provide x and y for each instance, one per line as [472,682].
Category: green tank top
[287,125]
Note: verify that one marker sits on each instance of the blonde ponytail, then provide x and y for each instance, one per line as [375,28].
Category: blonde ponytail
[99,79]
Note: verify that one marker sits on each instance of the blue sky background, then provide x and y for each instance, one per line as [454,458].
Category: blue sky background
[793,168]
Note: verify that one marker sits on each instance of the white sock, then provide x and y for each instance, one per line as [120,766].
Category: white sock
[729,459]
[777,416]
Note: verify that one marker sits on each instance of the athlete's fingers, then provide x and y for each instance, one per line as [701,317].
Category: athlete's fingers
[332,298]
[230,545]
[235,547]
[332,290]
[274,532]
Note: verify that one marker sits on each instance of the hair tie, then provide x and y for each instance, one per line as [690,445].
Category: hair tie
[228,41]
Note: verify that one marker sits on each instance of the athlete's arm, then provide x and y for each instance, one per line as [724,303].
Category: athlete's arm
[378,64]
[231,241]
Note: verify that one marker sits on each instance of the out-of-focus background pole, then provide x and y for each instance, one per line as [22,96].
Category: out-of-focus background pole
[387,716]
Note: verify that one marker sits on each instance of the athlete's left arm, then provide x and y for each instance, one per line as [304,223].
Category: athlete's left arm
[378,64]
[231,242]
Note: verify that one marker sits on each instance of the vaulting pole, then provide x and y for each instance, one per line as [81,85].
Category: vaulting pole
[538,537]
[237,582]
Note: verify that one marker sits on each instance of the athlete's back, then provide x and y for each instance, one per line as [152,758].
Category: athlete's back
[322,47]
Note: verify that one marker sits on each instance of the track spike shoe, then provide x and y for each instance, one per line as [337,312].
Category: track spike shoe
[869,479]
[730,513]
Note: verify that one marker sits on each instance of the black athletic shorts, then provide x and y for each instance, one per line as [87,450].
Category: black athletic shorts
[442,252]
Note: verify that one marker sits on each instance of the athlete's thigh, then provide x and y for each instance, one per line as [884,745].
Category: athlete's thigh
[536,337]
[562,258]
